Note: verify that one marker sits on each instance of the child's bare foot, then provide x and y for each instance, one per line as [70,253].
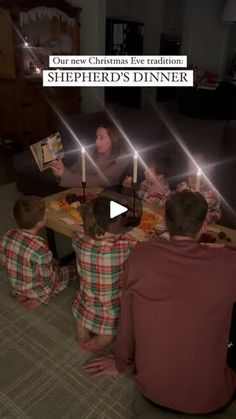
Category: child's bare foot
[97,343]
[27,302]
[83,335]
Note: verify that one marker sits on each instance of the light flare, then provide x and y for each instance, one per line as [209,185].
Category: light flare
[183,146]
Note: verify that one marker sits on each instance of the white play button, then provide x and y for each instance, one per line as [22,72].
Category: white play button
[116,209]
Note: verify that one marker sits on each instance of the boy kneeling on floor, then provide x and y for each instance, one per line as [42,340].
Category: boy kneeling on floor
[27,258]
[101,254]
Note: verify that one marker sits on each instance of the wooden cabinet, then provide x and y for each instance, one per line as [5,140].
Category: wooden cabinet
[34,30]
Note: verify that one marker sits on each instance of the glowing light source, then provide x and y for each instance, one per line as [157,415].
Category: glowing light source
[38,70]
[83,164]
[135,167]
[198,179]
[182,144]
[61,116]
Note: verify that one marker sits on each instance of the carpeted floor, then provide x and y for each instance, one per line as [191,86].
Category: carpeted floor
[40,362]
[40,367]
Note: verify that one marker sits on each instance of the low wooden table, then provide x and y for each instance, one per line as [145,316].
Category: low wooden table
[54,224]
[53,218]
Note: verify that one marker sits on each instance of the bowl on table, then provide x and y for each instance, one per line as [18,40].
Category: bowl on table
[160,228]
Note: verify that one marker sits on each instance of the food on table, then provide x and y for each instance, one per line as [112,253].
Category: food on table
[160,228]
[71,198]
[70,203]
[221,235]
[149,220]
[207,238]
[76,204]
[63,204]
[75,214]
[70,208]
[55,205]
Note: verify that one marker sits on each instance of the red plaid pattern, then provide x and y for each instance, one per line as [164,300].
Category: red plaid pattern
[154,192]
[29,267]
[100,264]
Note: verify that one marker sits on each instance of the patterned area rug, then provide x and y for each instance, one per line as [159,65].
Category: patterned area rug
[40,364]
[40,361]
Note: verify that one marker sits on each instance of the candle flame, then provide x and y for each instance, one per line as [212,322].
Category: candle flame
[199,172]
[82,150]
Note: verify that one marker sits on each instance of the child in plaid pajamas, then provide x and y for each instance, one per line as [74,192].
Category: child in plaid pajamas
[155,187]
[27,259]
[212,198]
[100,263]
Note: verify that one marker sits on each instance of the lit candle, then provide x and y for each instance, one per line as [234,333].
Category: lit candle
[83,164]
[135,168]
[198,179]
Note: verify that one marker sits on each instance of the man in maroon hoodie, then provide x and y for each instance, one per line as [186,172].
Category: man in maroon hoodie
[176,314]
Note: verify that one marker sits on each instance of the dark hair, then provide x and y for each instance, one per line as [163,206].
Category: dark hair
[91,227]
[28,211]
[115,136]
[96,217]
[161,163]
[185,213]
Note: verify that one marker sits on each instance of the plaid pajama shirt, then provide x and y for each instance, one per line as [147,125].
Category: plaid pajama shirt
[28,263]
[100,264]
[157,193]
[214,209]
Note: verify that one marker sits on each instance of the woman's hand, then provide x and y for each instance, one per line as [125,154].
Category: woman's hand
[127,182]
[58,168]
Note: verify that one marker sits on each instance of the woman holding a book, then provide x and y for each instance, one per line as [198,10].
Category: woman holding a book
[104,166]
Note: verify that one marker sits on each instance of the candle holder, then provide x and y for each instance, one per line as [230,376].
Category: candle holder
[133,219]
[134,188]
[84,192]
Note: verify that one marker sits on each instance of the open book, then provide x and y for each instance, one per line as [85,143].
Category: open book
[47,150]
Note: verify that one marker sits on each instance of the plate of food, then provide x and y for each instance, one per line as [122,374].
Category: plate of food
[215,237]
[69,203]
[151,220]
